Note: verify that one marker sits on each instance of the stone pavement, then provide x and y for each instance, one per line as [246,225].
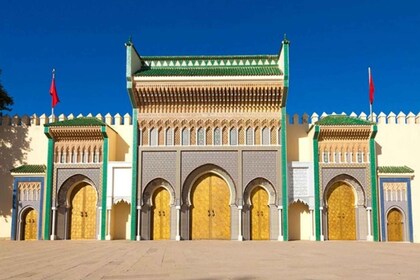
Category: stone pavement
[208,260]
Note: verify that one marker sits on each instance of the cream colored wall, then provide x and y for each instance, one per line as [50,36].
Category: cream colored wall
[299,221]
[19,144]
[399,144]
[299,143]
[120,220]
[22,141]
[124,140]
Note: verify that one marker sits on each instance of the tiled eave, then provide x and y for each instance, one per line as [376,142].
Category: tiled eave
[356,133]
[237,95]
[29,170]
[75,132]
[395,171]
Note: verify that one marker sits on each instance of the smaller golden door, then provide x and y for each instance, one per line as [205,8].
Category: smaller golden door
[30,225]
[83,214]
[161,214]
[260,229]
[395,225]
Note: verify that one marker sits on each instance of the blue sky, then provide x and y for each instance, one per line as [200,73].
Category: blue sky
[332,44]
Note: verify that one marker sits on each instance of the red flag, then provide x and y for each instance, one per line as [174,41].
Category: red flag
[53,92]
[371,87]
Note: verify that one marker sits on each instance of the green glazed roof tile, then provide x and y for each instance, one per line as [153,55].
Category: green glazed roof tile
[236,65]
[85,121]
[395,169]
[29,168]
[342,120]
[210,71]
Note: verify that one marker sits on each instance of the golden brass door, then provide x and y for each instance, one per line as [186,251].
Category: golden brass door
[30,225]
[395,225]
[83,215]
[210,211]
[341,213]
[161,214]
[260,228]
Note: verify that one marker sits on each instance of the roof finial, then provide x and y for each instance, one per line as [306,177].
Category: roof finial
[129,42]
[285,41]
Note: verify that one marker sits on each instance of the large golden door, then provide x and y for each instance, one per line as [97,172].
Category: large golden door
[161,214]
[341,213]
[83,214]
[30,226]
[260,229]
[210,211]
[395,225]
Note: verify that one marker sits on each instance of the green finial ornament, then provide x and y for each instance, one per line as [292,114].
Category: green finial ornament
[129,42]
[285,41]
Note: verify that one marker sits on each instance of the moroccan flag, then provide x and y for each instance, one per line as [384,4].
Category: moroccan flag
[53,91]
[371,87]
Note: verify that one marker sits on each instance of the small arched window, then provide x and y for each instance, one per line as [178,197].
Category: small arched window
[266,136]
[153,137]
[185,137]
[233,136]
[217,137]
[201,137]
[249,136]
[169,140]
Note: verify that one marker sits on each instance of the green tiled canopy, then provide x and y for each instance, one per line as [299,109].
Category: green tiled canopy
[342,120]
[395,169]
[85,121]
[256,65]
[29,168]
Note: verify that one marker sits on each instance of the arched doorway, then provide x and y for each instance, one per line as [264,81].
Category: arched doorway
[260,214]
[300,224]
[161,213]
[210,211]
[30,224]
[83,214]
[395,225]
[341,212]
[121,220]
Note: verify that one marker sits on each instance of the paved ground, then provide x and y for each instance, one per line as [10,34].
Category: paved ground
[207,260]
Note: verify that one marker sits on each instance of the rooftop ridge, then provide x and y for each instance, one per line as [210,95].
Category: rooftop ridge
[246,56]
[295,119]
[379,119]
[35,120]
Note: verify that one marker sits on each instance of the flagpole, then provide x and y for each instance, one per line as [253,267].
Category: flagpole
[52,107]
[370,101]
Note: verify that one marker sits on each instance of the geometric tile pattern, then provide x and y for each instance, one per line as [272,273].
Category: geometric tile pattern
[158,164]
[261,164]
[359,173]
[227,160]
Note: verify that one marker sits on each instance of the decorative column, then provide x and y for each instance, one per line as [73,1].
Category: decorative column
[320,223]
[280,208]
[312,225]
[66,221]
[240,236]
[178,221]
[108,221]
[54,210]
[100,223]
[368,212]
[138,236]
